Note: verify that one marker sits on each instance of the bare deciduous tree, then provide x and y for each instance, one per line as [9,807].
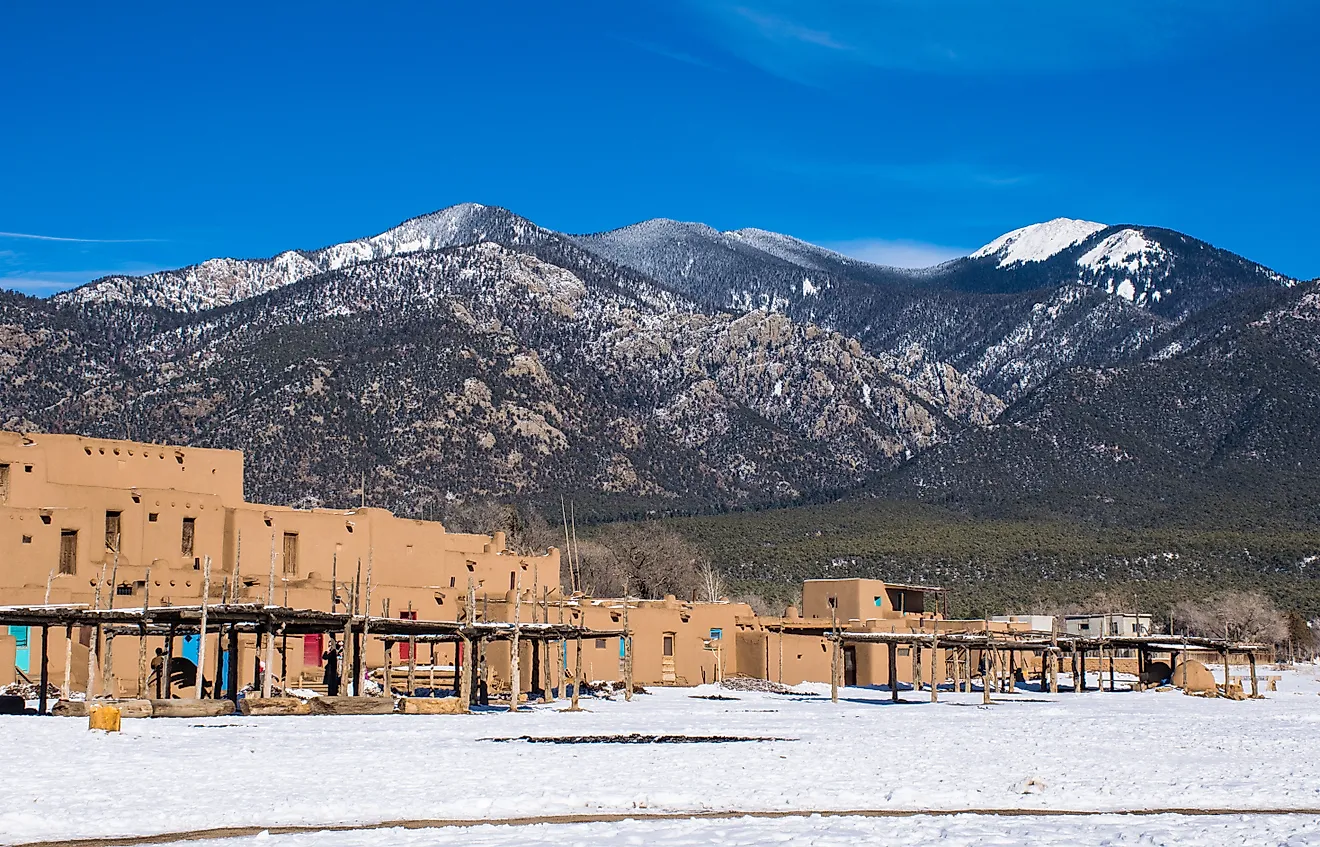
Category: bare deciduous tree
[647,560]
[1236,615]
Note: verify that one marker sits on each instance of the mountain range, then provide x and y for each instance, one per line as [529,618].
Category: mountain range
[1113,373]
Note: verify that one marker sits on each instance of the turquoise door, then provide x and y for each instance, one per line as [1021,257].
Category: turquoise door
[23,657]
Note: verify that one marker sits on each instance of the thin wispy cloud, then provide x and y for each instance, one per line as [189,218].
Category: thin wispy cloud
[36,237]
[669,53]
[896,253]
[954,174]
[784,37]
[776,27]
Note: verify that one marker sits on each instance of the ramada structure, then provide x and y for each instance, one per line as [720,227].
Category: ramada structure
[105,540]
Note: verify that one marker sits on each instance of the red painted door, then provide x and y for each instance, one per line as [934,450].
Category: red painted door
[312,651]
[405,653]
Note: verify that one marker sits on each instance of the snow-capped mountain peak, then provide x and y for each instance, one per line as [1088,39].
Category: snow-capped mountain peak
[1038,242]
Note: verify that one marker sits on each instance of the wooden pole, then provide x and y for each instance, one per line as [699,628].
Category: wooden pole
[166,670]
[515,675]
[1251,658]
[68,663]
[957,669]
[234,586]
[577,673]
[1111,669]
[95,640]
[627,655]
[270,580]
[834,654]
[463,681]
[45,670]
[1224,653]
[412,664]
[935,668]
[201,634]
[50,577]
[430,682]
[233,670]
[142,637]
[985,675]
[893,672]
[1054,656]
[387,673]
[366,622]
[270,658]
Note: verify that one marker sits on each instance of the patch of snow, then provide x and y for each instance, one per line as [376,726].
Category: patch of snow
[809,289]
[1273,761]
[1038,242]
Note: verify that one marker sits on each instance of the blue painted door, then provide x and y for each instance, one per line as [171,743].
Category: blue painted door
[23,657]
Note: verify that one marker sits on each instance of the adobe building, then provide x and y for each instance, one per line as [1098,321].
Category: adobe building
[113,523]
[138,521]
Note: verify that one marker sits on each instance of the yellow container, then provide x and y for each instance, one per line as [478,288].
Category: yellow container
[103,717]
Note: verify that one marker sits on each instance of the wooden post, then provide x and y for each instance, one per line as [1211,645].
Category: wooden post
[384,604]
[201,634]
[475,664]
[412,664]
[270,657]
[233,591]
[893,672]
[916,666]
[233,665]
[577,671]
[460,655]
[957,669]
[346,678]
[95,640]
[430,683]
[935,668]
[515,674]
[462,680]
[45,670]
[220,662]
[387,672]
[986,657]
[1251,658]
[834,653]
[1081,669]
[270,581]
[1111,669]
[967,669]
[628,654]
[1224,653]
[834,669]
[169,660]
[142,637]
[68,663]
[284,648]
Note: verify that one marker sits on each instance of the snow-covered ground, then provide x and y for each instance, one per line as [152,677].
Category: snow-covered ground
[1091,752]
[950,831]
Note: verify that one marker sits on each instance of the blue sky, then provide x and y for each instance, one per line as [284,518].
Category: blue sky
[898,130]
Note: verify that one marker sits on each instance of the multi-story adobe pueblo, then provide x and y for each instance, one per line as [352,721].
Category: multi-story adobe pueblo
[108,523]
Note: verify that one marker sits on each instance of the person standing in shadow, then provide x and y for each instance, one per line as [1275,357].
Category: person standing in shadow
[331,659]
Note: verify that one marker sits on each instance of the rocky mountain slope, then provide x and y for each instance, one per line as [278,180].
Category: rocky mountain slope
[670,366]
[483,370]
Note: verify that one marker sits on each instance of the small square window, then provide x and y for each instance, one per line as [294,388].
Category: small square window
[153,516]
[453,581]
[27,539]
[27,469]
[880,602]
[600,643]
